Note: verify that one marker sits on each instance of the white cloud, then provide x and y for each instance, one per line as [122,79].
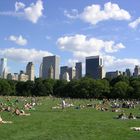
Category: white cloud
[71,62]
[32,13]
[18,40]
[135,23]
[80,45]
[94,14]
[113,63]
[24,55]
[73,14]
[19,5]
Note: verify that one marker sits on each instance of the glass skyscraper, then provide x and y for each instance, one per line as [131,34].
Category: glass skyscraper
[3,68]
[78,70]
[94,67]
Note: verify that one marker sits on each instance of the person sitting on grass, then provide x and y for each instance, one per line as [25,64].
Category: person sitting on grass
[1,121]
[131,116]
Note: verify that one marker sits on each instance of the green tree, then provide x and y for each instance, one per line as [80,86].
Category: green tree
[118,79]
[48,86]
[39,88]
[136,89]
[120,90]
[59,88]
[5,88]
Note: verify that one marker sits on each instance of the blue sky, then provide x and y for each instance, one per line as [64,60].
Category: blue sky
[72,29]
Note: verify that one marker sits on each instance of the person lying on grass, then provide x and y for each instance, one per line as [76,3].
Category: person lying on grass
[21,112]
[1,121]
[122,116]
[135,128]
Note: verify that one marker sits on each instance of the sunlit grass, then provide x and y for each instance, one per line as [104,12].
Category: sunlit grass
[46,123]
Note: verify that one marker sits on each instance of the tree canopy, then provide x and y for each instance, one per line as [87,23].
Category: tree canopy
[120,87]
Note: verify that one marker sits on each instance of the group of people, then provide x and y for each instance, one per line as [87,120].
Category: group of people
[16,106]
[123,103]
[110,105]
[123,116]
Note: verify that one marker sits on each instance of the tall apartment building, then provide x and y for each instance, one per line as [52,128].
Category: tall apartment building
[23,76]
[40,70]
[94,67]
[30,71]
[66,77]
[128,72]
[10,76]
[63,70]
[72,73]
[14,76]
[3,68]
[50,67]
[113,74]
[78,68]
[136,71]
[66,71]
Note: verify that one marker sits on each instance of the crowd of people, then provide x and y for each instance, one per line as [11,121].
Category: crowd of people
[16,106]
[118,106]
[21,106]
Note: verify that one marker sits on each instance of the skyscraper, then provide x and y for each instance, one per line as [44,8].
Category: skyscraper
[113,74]
[69,71]
[30,71]
[51,72]
[3,68]
[78,70]
[40,70]
[94,67]
[72,73]
[66,77]
[63,70]
[128,72]
[136,71]
[23,76]
[50,68]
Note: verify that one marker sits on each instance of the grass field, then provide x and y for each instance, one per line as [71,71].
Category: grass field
[46,123]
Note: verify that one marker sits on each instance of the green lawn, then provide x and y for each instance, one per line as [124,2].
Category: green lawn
[68,124]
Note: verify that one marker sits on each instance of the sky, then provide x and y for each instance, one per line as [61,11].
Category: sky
[71,29]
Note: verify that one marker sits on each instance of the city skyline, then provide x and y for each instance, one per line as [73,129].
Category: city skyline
[50,68]
[73,31]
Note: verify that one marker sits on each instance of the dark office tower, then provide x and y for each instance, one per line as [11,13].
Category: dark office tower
[63,70]
[128,72]
[94,67]
[49,63]
[78,70]
[30,71]
[136,71]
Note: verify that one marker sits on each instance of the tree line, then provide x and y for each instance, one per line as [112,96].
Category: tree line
[121,87]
